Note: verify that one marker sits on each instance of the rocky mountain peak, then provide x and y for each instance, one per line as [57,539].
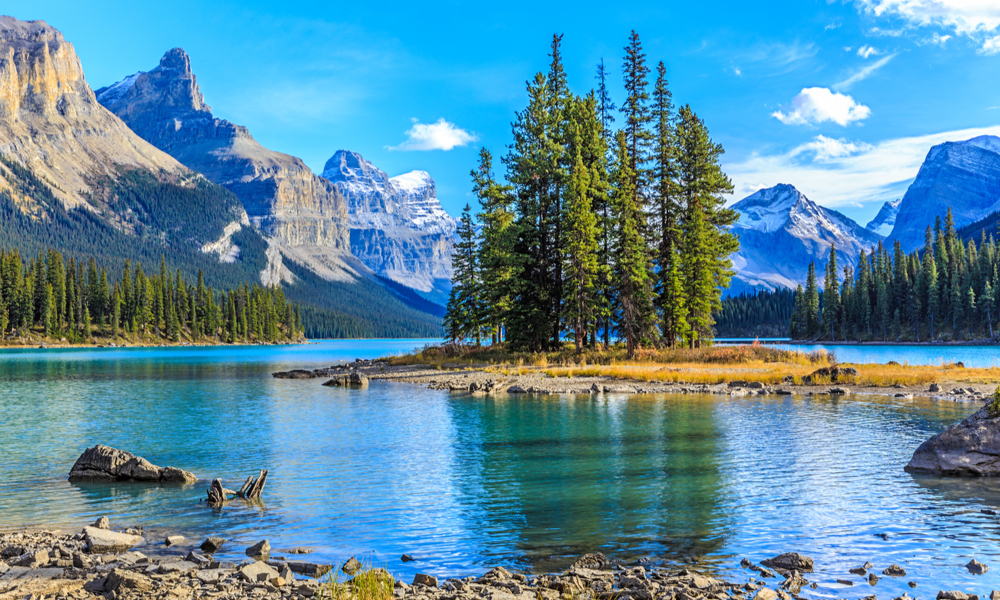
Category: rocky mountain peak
[781,231]
[171,89]
[39,72]
[350,167]
[963,176]
[43,89]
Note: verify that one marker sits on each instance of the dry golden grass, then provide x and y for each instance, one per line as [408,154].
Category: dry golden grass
[774,373]
[711,365]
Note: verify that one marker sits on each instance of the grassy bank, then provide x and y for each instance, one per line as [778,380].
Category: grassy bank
[711,365]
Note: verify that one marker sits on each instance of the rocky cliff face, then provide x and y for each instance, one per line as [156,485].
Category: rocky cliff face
[51,122]
[962,175]
[398,228]
[781,231]
[301,212]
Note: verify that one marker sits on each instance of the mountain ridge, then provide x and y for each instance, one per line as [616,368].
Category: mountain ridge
[781,231]
[963,176]
[398,227]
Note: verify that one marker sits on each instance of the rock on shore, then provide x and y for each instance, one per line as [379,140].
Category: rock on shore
[103,463]
[971,447]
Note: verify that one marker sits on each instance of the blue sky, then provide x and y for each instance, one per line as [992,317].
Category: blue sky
[841,99]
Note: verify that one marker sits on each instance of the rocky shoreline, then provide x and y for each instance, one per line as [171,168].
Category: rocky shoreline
[481,381]
[98,562]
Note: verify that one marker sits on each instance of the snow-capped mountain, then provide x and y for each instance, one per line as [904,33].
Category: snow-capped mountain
[398,228]
[885,219]
[781,231]
[962,175]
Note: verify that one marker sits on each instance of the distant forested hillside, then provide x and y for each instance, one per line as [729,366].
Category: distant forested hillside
[141,219]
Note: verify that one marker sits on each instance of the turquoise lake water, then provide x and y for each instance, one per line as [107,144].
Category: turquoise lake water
[465,483]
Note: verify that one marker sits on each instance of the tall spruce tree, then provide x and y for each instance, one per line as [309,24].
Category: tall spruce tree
[634,290]
[831,295]
[707,242]
[579,245]
[496,249]
[464,310]
[670,301]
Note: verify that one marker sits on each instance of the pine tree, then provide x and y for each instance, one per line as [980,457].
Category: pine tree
[580,248]
[831,297]
[634,311]
[637,114]
[464,308]
[707,242]
[800,319]
[812,303]
[602,207]
[670,301]
[496,249]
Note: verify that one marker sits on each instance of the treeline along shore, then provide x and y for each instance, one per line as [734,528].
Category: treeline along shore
[50,299]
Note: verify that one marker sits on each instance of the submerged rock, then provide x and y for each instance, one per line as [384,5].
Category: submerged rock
[967,448]
[103,463]
[790,561]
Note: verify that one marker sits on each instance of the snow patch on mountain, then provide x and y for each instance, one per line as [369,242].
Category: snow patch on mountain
[115,91]
[884,221]
[986,142]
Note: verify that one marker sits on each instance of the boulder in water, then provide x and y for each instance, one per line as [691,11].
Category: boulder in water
[967,448]
[103,463]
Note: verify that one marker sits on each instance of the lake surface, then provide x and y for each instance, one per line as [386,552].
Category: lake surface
[465,483]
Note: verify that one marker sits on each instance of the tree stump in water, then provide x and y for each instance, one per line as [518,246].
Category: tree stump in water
[251,490]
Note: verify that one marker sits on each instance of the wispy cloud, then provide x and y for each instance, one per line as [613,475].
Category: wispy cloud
[976,19]
[441,135]
[863,73]
[839,172]
[867,51]
[817,105]
[778,58]
[963,16]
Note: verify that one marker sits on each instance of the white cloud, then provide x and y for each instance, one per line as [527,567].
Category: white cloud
[816,105]
[965,17]
[863,73]
[867,51]
[939,40]
[441,135]
[738,72]
[840,173]
[991,46]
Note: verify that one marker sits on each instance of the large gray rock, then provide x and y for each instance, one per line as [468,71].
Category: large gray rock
[103,463]
[971,447]
[102,541]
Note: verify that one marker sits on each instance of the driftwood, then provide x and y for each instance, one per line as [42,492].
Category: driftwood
[251,490]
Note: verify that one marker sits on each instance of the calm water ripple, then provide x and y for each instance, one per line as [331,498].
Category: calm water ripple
[465,483]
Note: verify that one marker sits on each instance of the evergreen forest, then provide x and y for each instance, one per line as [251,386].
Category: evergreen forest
[946,291]
[76,300]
